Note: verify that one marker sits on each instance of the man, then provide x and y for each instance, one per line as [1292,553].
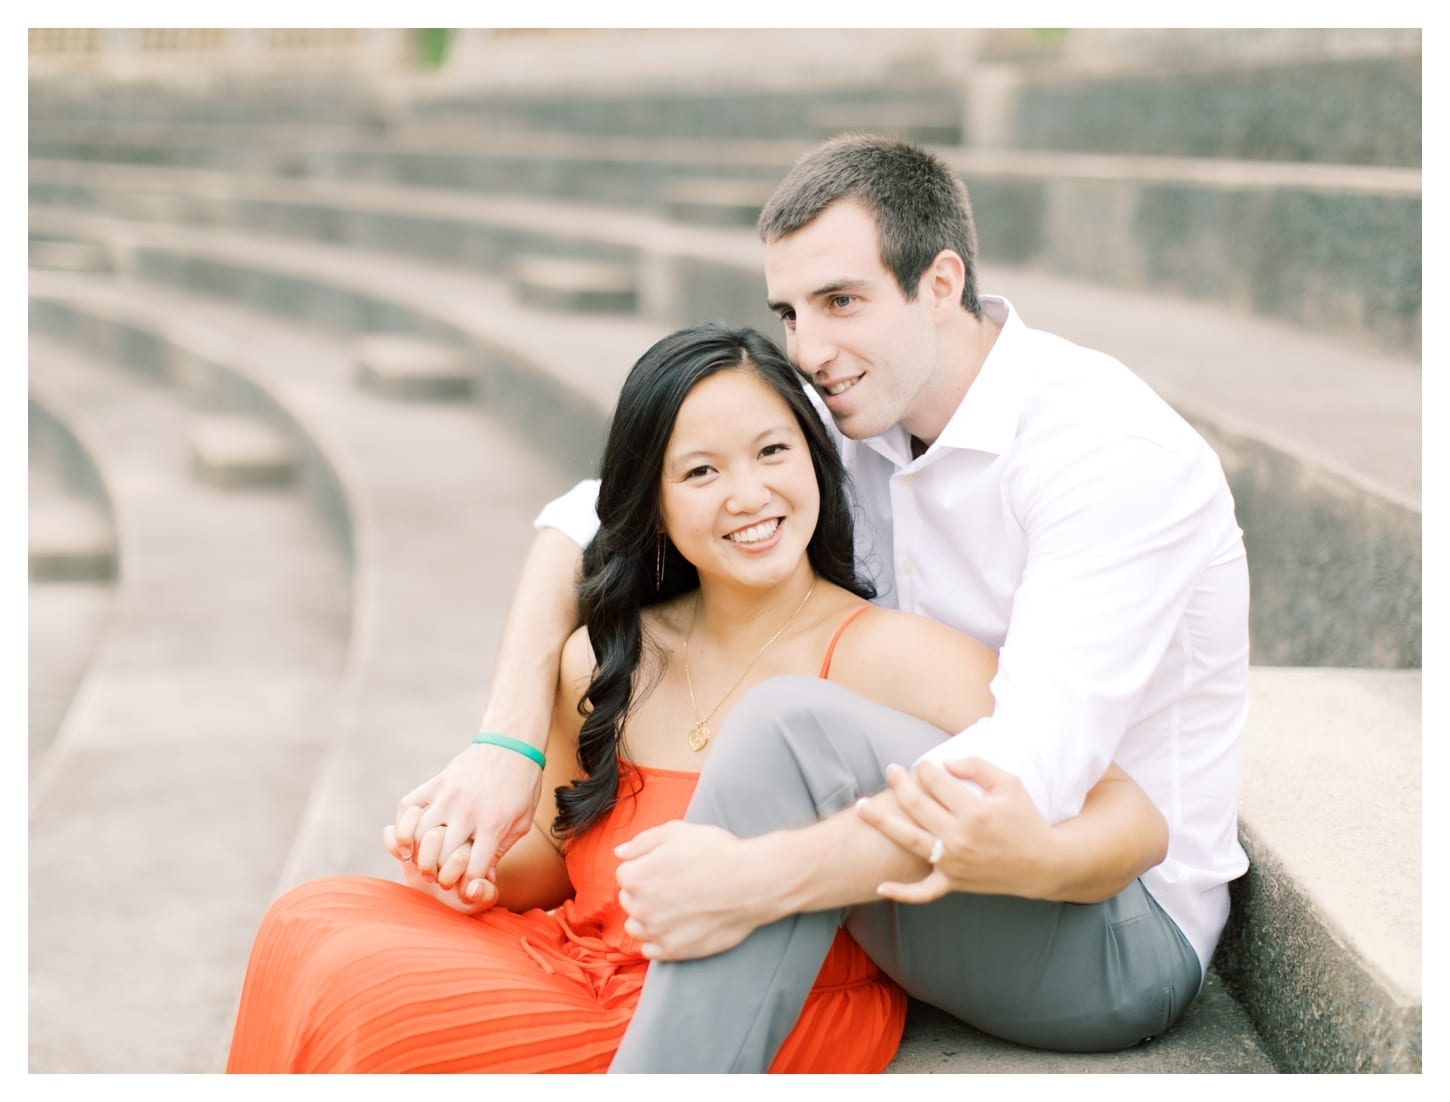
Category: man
[1025,491]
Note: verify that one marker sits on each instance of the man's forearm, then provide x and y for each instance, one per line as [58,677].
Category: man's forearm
[837,862]
[841,860]
[544,611]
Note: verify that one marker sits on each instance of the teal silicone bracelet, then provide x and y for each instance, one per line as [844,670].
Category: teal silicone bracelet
[518,746]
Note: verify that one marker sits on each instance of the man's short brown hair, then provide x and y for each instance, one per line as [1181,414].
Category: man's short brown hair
[920,205]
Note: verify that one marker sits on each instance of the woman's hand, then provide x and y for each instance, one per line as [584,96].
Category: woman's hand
[449,887]
[486,793]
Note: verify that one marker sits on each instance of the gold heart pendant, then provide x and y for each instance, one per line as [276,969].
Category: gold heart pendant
[699,737]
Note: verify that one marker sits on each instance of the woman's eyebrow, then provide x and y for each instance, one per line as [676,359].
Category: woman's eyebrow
[676,458]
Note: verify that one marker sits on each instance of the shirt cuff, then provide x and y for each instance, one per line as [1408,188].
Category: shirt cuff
[573,513]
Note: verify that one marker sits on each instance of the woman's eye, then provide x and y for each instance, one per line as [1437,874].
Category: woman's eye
[774,449]
[697,472]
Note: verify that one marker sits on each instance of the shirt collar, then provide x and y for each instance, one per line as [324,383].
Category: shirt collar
[986,420]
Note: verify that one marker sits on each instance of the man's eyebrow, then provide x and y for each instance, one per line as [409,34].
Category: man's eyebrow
[835,287]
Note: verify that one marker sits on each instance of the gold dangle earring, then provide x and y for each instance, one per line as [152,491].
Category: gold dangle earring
[659,560]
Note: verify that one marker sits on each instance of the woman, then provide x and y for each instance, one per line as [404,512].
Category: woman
[724,557]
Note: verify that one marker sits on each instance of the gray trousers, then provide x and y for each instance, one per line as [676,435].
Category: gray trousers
[1062,976]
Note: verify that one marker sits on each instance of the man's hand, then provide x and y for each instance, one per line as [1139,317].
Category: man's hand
[994,844]
[449,877]
[689,891]
[487,794]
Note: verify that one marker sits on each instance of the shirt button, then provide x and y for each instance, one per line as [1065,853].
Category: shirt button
[908,567]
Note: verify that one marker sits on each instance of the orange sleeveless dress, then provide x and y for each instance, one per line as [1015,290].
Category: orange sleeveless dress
[356,974]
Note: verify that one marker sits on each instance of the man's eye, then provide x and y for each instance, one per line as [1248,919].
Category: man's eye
[840,302]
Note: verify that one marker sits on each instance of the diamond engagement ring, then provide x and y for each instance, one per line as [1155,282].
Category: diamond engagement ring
[938,851]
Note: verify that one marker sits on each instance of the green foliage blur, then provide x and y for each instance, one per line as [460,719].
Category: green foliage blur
[433,45]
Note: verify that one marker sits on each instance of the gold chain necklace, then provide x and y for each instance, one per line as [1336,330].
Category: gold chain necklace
[699,733]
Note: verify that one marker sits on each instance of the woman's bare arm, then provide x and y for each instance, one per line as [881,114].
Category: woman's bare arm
[533,873]
[487,792]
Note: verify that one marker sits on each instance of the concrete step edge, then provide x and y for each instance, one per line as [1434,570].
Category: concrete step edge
[204,364]
[1323,943]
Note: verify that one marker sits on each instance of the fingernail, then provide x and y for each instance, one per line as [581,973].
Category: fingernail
[406,854]
[475,890]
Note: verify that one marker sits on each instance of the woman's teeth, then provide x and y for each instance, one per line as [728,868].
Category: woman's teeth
[756,533]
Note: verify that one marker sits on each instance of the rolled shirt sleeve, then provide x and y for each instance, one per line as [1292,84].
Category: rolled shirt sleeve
[1118,532]
[573,513]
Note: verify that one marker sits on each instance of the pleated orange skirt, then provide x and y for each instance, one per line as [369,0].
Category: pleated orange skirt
[353,974]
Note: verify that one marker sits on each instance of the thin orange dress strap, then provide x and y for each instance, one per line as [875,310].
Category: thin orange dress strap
[836,638]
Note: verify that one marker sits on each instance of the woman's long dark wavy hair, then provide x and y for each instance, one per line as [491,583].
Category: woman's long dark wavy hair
[618,579]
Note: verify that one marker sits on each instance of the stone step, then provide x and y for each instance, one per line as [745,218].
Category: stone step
[1323,948]
[1214,1036]
[172,353]
[1328,247]
[67,618]
[408,368]
[434,520]
[1299,93]
[575,286]
[235,451]
[70,533]
[181,765]
[730,203]
[1320,438]
[70,256]
[65,625]
[933,122]
[1350,102]
[922,102]
[531,369]
[70,541]
[1322,454]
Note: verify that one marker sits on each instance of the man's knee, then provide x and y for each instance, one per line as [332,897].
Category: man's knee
[776,717]
[775,755]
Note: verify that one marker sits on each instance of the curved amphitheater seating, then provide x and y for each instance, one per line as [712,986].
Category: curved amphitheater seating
[73,566]
[1323,450]
[360,299]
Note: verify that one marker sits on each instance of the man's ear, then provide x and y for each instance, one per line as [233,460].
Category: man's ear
[943,281]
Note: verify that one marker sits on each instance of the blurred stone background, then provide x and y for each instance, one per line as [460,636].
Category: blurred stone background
[319,319]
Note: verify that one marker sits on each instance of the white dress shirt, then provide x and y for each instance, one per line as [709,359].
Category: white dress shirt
[1072,521]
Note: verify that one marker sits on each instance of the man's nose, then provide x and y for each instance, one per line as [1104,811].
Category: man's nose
[813,349]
